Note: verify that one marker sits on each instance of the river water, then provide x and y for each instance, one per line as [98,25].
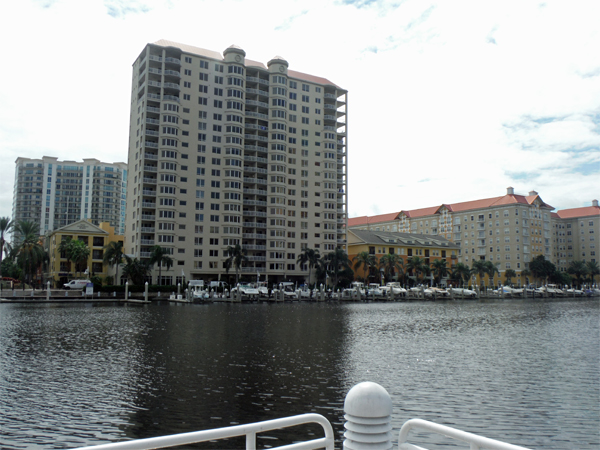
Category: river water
[523,371]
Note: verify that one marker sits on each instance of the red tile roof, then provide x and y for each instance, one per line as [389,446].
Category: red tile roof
[585,211]
[508,199]
[365,220]
[248,62]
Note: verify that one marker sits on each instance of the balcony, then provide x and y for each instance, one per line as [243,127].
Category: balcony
[147,241]
[151,144]
[256,159]
[254,269]
[149,193]
[257,148]
[172,73]
[152,121]
[148,205]
[255,213]
[150,156]
[171,86]
[255,191]
[257,103]
[257,115]
[254,225]
[147,229]
[254,236]
[171,97]
[254,247]
[172,60]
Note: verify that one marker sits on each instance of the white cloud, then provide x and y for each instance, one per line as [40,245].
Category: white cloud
[472,96]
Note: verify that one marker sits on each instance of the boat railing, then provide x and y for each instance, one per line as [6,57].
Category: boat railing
[248,430]
[475,441]
[368,414]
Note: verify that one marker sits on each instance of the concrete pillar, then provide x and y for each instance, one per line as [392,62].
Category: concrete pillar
[368,409]
[126,290]
[48,291]
[146,291]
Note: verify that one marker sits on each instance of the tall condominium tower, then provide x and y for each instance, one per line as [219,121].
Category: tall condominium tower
[56,193]
[224,151]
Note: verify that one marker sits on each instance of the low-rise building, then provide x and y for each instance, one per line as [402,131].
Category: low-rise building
[61,270]
[405,245]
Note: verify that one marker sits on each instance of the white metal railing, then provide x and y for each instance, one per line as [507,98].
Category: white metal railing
[249,430]
[476,442]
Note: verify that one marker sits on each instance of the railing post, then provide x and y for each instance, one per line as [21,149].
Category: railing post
[368,409]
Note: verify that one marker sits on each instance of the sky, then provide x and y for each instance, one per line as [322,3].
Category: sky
[448,101]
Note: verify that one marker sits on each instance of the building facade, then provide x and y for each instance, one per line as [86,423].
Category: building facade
[224,150]
[405,245]
[574,235]
[56,193]
[509,230]
[60,270]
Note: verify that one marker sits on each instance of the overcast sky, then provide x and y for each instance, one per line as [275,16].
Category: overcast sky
[449,101]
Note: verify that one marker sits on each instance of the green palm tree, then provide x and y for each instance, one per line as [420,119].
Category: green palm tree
[311,257]
[526,274]
[30,254]
[440,269]
[461,272]
[391,263]
[578,269]
[79,253]
[63,248]
[367,261]
[509,275]
[136,270]
[235,258]
[418,266]
[337,261]
[5,225]
[479,268]
[161,257]
[491,270]
[113,256]
[592,270]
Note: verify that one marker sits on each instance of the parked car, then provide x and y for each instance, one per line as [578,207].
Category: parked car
[77,284]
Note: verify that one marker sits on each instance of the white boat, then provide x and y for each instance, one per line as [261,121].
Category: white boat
[247,290]
[288,290]
[462,292]
[197,292]
[395,287]
[263,290]
[355,286]
[374,290]
[507,290]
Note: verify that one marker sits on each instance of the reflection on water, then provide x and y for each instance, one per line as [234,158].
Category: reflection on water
[73,375]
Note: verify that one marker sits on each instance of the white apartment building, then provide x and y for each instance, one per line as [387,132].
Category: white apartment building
[57,193]
[224,150]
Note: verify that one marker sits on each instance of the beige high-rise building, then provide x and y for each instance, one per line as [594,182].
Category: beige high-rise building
[224,150]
